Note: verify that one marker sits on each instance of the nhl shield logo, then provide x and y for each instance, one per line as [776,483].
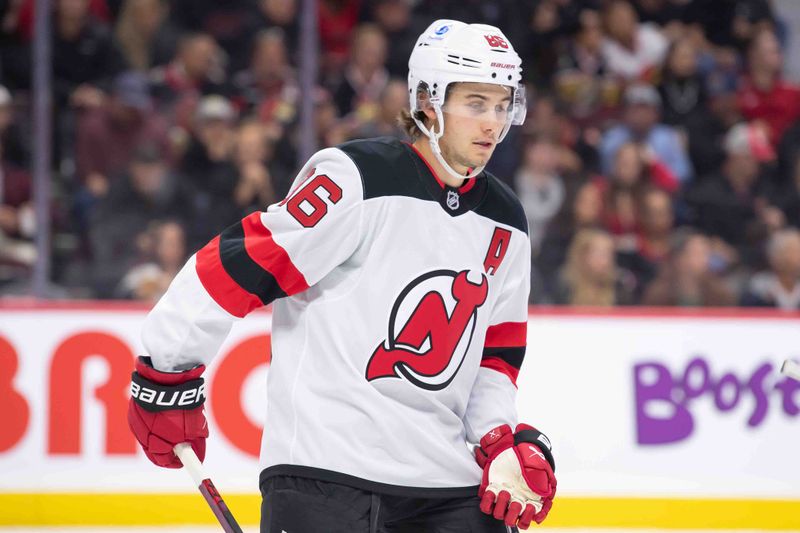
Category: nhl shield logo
[452,200]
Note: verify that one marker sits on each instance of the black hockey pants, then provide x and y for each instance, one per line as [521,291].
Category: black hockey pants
[302,505]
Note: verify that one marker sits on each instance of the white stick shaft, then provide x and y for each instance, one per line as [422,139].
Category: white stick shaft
[190,462]
[791,368]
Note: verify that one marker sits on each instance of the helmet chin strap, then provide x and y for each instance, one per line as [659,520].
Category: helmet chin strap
[433,138]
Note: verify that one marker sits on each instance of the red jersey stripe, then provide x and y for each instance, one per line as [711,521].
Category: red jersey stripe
[220,286]
[270,256]
[468,185]
[501,366]
[507,334]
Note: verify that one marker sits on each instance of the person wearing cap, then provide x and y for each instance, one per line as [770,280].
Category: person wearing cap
[640,124]
[399,276]
[208,164]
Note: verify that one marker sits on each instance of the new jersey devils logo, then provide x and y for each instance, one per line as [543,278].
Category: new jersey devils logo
[436,316]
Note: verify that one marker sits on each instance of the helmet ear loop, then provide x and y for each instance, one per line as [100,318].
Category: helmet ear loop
[434,137]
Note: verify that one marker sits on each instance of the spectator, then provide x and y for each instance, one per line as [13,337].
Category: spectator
[632,51]
[707,129]
[196,70]
[365,76]
[657,224]
[733,203]
[583,209]
[330,128]
[209,167]
[394,18]
[685,279]
[546,24]
[640,124]
[337,22]
[145,34]
[108,135]
[583,81]
[120,223]
[682,88]
[656,221]
[764,95]
[394,99]
[780,285]
[635,170]
[253,152]
[268,88]
[165,245]
[635,166]
[14,48]
[85,56]
[540,187]
[590,275]
[546,119]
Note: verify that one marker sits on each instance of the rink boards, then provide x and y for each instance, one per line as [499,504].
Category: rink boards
[658,418]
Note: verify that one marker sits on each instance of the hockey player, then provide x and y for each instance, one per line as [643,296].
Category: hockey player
[399,278]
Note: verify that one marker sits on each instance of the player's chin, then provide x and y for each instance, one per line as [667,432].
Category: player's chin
[479,161]
[481,154]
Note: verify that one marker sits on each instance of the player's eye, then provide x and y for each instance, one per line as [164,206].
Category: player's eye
[502,109]
[477,106]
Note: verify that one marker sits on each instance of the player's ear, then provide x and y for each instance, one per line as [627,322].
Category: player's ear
[426,107]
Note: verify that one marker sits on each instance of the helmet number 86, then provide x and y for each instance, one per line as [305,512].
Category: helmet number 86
[495,41]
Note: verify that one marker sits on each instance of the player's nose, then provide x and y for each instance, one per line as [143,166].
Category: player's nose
[490,128]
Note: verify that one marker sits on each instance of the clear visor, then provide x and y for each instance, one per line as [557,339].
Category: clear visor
[506,110]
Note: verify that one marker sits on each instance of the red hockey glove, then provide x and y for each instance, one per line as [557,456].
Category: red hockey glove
[166,408]
[518,482]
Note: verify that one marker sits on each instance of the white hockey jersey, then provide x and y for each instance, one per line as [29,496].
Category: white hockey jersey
[399,318]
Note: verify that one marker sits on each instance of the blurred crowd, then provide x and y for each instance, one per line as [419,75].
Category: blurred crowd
[659,164]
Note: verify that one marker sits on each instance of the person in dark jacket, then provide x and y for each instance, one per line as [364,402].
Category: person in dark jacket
[148,191]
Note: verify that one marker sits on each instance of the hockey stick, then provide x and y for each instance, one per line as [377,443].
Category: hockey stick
[791,368]
[195,468]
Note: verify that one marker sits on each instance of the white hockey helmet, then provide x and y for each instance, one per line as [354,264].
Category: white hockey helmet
[451,51]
